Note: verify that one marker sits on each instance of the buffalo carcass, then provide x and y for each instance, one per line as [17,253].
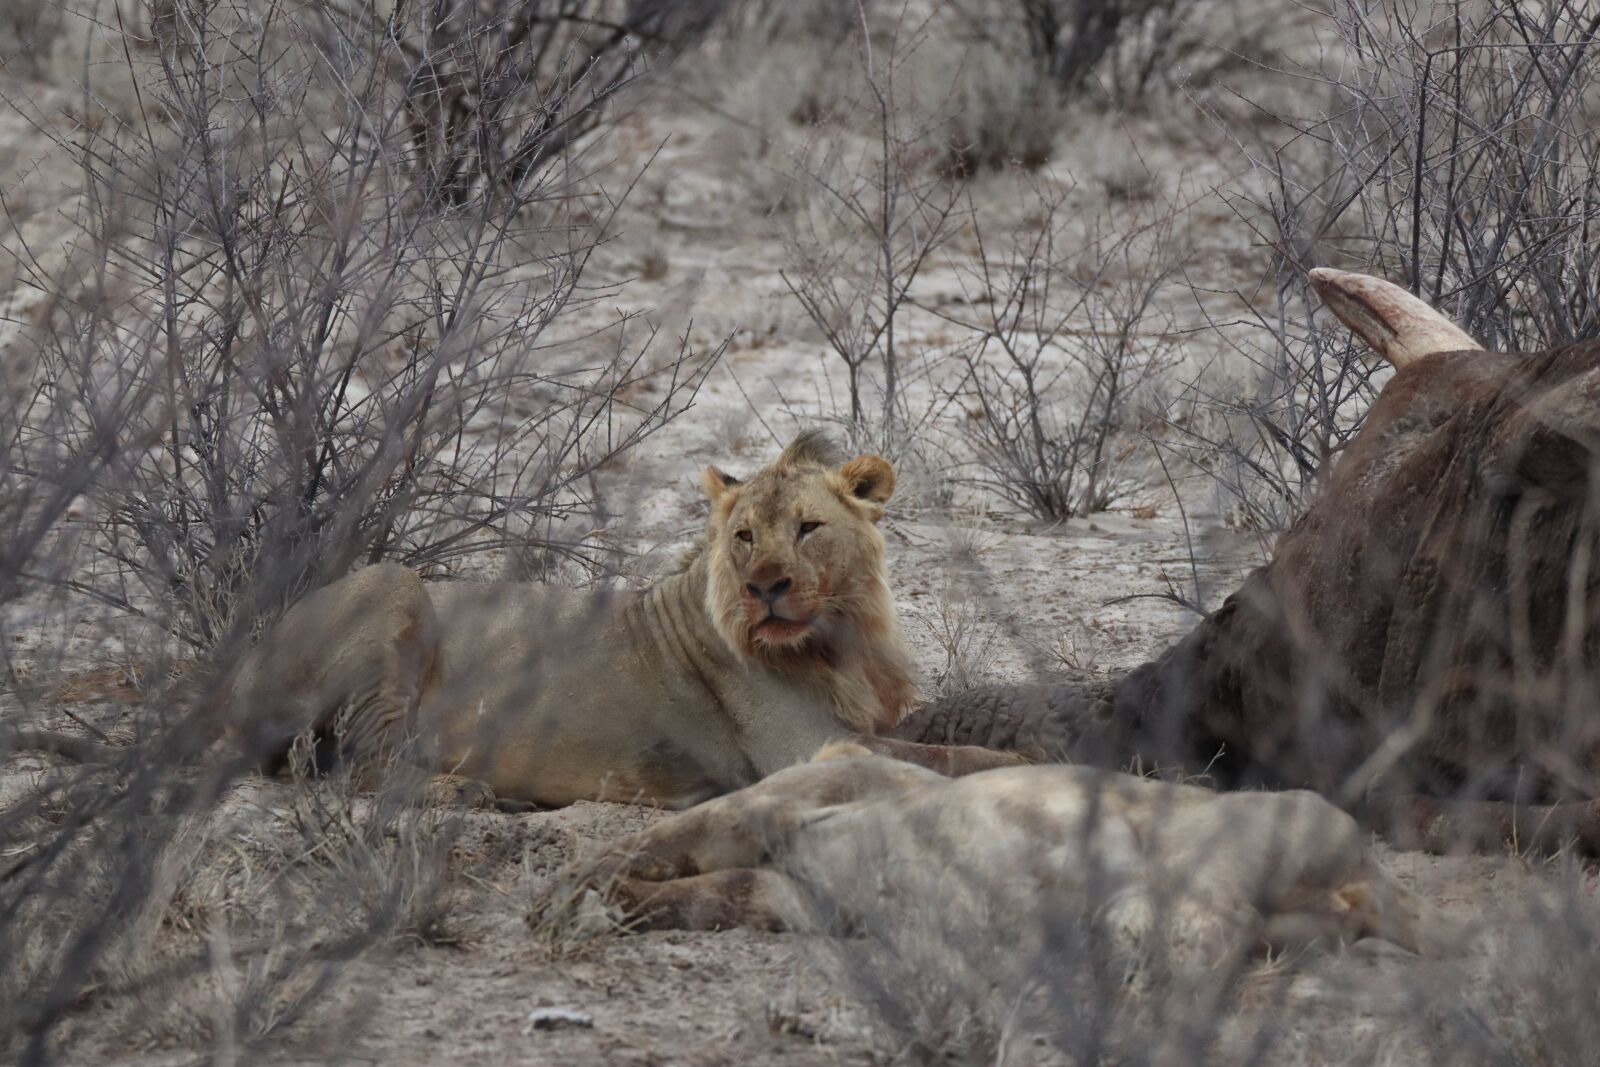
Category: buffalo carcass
[1423,645]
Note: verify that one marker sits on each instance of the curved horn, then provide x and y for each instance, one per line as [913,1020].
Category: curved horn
[1400,327]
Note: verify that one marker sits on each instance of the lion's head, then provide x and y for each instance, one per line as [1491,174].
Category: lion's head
[796,576]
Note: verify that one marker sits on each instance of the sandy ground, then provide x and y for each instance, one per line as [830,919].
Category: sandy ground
[738,997]
[1036,598]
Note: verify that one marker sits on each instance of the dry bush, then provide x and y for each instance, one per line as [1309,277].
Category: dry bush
[139,909]
[323,337]
[1267,439]
[1129,46]
[1467,144]
[373,861]
[786,61]
[28,29]
[322,302]
[969,643]
[248,941]
[1458,155]
[492,93]
[879,214]
[1002,114]
[1071,328]
[568,916]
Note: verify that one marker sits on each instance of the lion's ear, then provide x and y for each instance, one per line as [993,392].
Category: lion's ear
[868,478]
[716,484]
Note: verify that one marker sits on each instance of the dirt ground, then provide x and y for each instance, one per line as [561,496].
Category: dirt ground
[703,250]
[471,994]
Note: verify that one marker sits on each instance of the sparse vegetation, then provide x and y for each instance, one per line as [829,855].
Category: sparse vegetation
[308,328]
[1070,331]
[1457,154]
[1128,45]
[290,288]
[306,279]
[1002,115]
[879,217]
[968,642]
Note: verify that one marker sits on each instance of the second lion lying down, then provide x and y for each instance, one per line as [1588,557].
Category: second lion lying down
[1154,866]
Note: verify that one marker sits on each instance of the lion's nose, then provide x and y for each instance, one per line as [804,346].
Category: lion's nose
[771,593]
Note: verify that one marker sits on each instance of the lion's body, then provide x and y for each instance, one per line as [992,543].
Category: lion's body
[660,719]
[549,695]
[1024,852]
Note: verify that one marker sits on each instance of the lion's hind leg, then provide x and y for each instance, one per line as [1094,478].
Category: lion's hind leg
[1374,904]
[346,667]
[1314,878]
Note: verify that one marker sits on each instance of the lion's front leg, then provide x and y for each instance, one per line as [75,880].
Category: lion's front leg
[745,828]
[346,664]
[754,898]
[954,761]
[708,853]
[730,832]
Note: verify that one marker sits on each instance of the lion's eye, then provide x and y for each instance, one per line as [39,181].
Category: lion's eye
[746,536]
[807,527]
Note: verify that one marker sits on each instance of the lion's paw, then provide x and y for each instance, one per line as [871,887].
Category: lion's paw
[450,791]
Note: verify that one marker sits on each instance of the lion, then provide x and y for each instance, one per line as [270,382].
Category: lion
[854,841]
[775,636]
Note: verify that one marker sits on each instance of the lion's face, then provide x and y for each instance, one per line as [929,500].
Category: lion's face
[796,556]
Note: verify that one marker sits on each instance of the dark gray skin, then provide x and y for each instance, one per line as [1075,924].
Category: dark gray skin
[1115,723]
[1424,646]
[1064,721]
